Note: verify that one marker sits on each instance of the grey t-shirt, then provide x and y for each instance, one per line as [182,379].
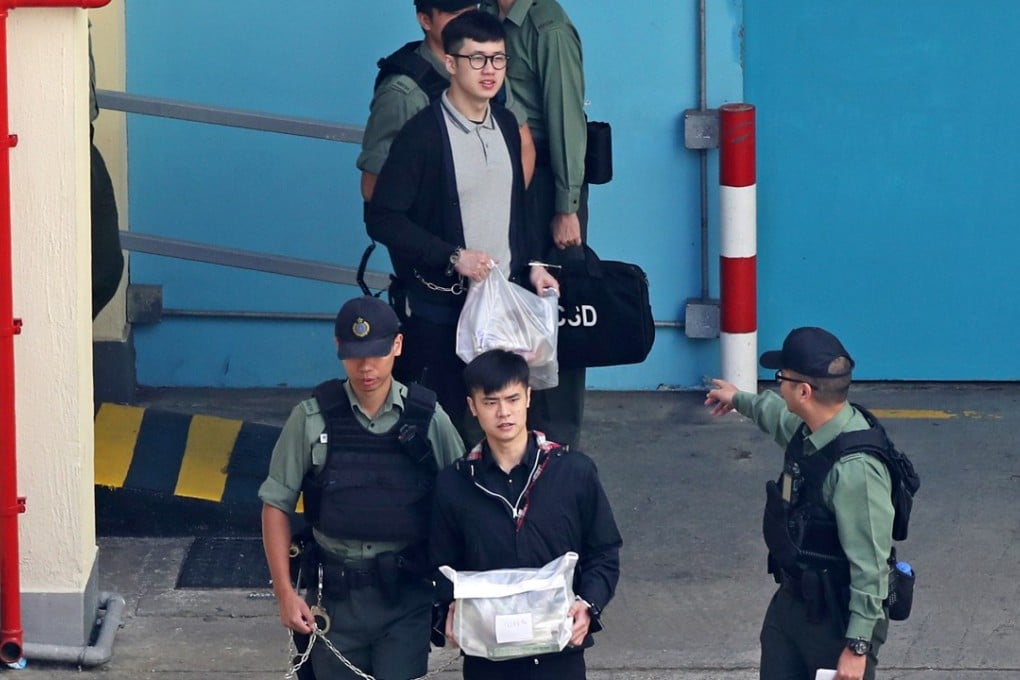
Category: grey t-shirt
[484,175]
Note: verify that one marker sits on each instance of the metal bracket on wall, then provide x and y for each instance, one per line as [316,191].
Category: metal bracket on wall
[701,128]
[144,303]
[701,318]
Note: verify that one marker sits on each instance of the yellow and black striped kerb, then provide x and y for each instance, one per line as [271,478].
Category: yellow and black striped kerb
[188,456]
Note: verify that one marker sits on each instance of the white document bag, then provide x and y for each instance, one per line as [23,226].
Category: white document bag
[512,613]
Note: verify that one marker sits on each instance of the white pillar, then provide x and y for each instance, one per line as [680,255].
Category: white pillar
[48,92]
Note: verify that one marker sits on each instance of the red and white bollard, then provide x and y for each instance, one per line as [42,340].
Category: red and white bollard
[738,321]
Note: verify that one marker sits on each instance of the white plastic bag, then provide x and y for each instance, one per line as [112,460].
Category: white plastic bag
[512,613]
[498,314]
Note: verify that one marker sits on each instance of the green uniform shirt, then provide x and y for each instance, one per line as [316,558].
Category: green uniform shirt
[298,449]
[395,102]
[546,76]
[857,490]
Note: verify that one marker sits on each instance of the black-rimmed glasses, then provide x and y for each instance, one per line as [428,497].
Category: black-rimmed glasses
[477,61]
[780,378]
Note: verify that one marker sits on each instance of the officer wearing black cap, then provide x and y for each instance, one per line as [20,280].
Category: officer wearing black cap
[364,452]
[828,518]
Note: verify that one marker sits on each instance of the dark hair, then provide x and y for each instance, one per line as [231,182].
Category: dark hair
[493,370]
[474,25]
[424,6]
[832,391]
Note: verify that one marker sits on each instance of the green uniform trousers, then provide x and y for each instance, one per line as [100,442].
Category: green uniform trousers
[387,640]
[793,649]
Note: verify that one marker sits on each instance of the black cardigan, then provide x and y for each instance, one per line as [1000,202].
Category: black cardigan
[415,209]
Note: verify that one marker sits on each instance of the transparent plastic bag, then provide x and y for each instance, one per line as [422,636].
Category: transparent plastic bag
[513,613]
[498,314]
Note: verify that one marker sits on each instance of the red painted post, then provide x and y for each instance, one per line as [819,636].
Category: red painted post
[738,320]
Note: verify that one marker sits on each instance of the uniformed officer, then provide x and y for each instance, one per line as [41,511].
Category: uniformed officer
[365,452]
[828,521]
[408,81]
[545,75]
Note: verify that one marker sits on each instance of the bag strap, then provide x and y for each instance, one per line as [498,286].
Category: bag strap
[360,278]
[419,406]
[592,263]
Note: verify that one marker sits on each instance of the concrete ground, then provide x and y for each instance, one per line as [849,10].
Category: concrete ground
[687,490]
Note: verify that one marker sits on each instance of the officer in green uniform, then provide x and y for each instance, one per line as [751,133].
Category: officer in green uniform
[828,518]
[545,74]
[364,452]
[408,81]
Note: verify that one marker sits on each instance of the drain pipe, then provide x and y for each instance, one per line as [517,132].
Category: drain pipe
[11,505]
[86,657]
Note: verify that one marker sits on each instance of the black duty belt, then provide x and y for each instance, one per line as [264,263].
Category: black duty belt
[341,576]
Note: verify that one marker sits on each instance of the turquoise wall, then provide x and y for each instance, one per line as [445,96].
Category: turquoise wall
[300,198]
[887,173]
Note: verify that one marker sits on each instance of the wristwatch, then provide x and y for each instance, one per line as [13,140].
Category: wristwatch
[454,258]
[858,646]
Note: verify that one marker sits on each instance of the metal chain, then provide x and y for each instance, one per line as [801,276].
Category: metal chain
[456,289]
[302,659]
[319,633]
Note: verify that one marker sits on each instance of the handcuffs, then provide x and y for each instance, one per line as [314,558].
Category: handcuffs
[318,612]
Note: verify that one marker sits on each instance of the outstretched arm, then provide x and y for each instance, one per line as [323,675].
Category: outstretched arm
[720,397]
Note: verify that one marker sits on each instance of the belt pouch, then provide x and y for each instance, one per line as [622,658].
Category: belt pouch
[901,593]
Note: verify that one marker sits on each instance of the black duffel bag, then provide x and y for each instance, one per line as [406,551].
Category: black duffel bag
[605,316]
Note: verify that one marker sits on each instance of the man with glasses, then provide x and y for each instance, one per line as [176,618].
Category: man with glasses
[828,611]
[408,81]
[448,205]
[546,78]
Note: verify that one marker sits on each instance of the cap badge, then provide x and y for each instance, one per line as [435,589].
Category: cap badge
[360,328]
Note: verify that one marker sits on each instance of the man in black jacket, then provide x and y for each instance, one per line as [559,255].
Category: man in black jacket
[517,500]
[448,205]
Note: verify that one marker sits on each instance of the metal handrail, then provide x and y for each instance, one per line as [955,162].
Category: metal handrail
[247,259]
[250,120]
[215,115]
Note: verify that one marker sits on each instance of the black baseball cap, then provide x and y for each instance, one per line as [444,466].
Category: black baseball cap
[365,327]
[809,351]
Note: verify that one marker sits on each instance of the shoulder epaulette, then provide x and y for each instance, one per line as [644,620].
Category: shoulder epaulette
[546,15]
[310,406]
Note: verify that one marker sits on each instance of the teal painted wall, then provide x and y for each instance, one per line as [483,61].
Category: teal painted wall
[300,198]
[887,174]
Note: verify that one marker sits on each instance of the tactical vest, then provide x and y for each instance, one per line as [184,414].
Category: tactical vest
[809,525]
[373,486]
[407,62]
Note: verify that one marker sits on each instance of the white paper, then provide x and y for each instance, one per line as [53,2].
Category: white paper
[825,674]
[514,628]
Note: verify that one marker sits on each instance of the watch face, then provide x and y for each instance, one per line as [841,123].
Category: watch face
[858,647]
